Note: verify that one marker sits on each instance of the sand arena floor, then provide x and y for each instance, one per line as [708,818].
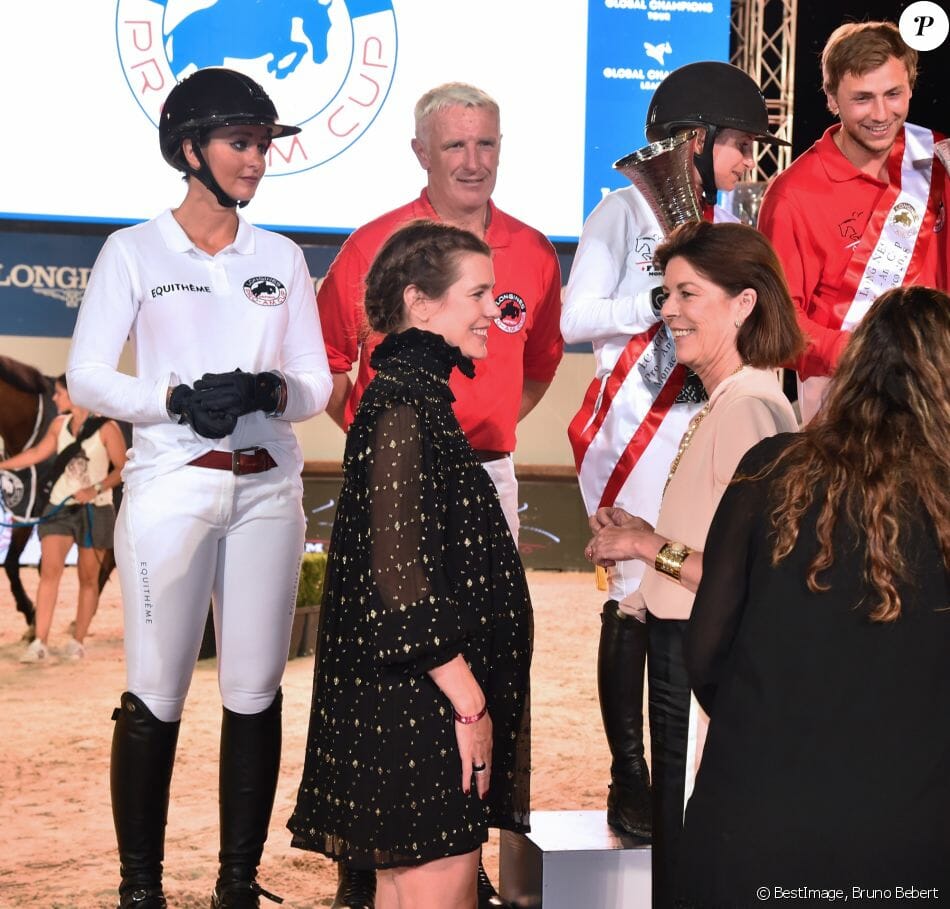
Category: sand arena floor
[57,847]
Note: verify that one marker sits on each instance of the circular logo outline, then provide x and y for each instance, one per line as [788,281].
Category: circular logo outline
[12,489]
[511,324]
[905,218]
[144,34]
[921,16]
[268,297]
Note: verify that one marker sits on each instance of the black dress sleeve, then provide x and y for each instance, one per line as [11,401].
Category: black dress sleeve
[738,529]
[415,620]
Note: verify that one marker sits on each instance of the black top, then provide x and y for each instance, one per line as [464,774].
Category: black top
[421,567]
[827,762]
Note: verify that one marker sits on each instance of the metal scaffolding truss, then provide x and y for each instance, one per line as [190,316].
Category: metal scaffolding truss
[763,41]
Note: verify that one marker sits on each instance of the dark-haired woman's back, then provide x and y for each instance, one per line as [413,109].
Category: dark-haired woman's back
[827,763]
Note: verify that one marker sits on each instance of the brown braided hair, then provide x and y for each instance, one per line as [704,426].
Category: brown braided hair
[879,447]
[424,254]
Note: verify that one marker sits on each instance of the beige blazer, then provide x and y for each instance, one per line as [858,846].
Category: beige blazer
[744,409]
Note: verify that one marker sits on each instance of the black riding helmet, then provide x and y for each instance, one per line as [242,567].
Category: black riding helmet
[204,101]
[715,96]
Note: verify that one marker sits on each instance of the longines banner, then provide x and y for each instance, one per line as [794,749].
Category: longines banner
[572,78]
[42,279]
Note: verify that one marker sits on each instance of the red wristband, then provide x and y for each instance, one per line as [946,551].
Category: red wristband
[468,720]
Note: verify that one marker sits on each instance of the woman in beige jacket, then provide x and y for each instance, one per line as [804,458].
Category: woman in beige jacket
[728,310]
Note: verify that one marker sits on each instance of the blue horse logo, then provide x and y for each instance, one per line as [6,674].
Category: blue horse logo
[328,65]
[247,30]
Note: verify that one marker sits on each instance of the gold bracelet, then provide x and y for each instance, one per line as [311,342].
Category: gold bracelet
[670,558]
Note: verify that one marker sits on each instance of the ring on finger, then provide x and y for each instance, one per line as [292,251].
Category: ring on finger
[479,768]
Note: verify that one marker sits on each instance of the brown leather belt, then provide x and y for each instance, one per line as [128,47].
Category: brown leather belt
[242,461]
[485,456]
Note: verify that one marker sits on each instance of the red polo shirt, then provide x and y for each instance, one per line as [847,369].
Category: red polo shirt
[524,341]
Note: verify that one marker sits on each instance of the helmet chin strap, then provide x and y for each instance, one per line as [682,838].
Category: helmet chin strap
[204,175]
[704,164]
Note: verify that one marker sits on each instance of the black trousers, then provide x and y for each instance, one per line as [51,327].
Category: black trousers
[669,700]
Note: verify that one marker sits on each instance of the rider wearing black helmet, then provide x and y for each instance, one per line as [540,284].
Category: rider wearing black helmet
[228,352]
[714,97]
[207,100]
[624,441]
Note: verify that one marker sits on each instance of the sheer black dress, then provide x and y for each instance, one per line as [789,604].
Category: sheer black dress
[422,567]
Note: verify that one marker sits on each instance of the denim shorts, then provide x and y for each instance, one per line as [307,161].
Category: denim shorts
[82,523]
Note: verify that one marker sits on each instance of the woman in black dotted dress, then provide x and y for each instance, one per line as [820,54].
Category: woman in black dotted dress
[419,732]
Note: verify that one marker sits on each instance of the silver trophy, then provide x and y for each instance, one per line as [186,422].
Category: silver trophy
[746,200]
[663,172]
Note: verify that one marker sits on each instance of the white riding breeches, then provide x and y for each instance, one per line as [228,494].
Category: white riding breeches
[197,535]
[502,473]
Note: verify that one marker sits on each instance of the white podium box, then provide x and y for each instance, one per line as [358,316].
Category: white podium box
[573,860]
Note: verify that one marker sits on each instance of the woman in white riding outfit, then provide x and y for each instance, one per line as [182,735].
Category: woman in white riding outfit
[229,353]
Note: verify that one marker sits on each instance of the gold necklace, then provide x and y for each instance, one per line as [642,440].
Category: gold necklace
[688,435]
[684,442]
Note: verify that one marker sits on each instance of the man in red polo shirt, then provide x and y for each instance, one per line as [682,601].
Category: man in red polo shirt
[457,143]
[864,209]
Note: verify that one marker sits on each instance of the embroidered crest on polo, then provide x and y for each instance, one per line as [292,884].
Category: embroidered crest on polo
[328,65]
[512,312]
[641,256]
[265,291]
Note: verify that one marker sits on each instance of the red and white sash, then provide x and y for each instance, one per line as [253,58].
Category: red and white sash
[894,243]
[608,441]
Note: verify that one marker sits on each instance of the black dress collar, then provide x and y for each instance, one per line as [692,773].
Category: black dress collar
[425,351]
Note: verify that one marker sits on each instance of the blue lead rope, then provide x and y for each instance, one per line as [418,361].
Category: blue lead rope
[56,509]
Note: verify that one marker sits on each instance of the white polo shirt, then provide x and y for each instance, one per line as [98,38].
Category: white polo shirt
[251,306]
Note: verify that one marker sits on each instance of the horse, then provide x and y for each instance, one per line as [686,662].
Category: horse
[26,410]
[248,29]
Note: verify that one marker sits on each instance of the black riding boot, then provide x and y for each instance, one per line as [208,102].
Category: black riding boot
[143,753]
[356,888]
[250,762]
[488,897]
[620,663]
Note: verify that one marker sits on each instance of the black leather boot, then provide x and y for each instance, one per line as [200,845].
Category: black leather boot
[249,764]
[143,754]
[488,897]
[620,663]
[356,888]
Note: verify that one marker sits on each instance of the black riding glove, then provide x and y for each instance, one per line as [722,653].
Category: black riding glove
[207,422]
[238,392]
[180,396]
[212,424]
